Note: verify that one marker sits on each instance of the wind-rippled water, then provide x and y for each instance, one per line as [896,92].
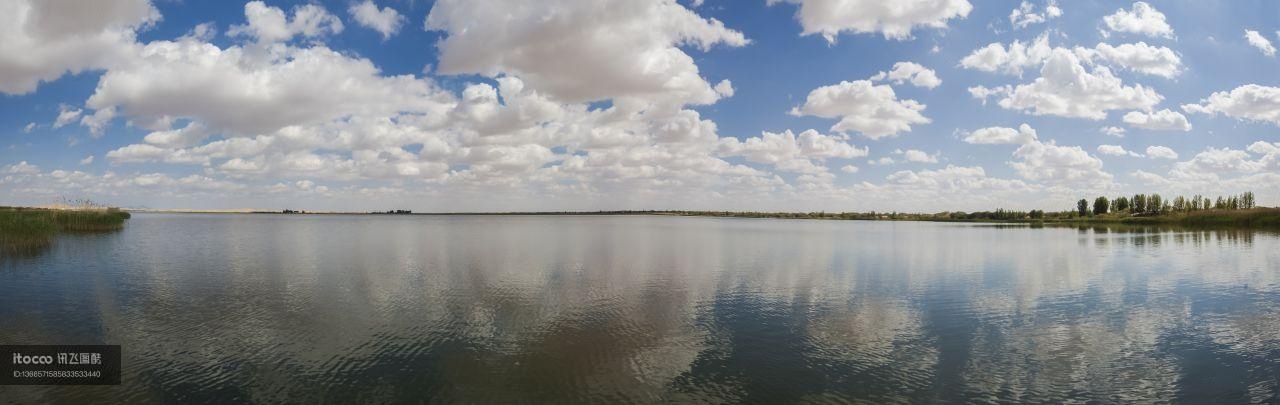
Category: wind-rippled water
[640,309]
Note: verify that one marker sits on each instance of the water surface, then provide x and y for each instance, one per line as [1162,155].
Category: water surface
[640,309]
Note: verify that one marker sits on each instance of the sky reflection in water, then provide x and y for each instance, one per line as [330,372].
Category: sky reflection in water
[647,309]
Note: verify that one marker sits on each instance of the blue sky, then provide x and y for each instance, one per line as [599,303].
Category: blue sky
[583,105]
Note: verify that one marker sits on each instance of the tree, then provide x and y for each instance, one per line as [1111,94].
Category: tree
[1246,200]
[1139,203]
[1100,206]
[1082,207]
[1180,204]
[1037,214]
[1122,204]
[1154,203]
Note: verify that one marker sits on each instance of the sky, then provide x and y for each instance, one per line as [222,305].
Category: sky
[569,105]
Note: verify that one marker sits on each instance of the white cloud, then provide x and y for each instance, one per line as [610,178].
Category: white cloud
[1012,59]
[917,156]
[872,110]
[1065,88]
[1260,42]
[1017,57]
[1048,162]
[1002,135]
[1161,152]
[1139,57]
[849,169]
[792,153]
[895,20]
[40,40]
[1116,150]
[235,90]
[983,93]
[66,115]
[31,126]
[1163,120]
[918,75]
[1113,131]
[954,178]
[1026,14]
[20,168]
[1210,164]
[386,20]
[1248,102]
[1141,18]
[582,50]
[883,161]
[269,24]
[98,121]
[88,160]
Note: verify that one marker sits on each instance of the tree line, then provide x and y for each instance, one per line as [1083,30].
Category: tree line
[1154,204]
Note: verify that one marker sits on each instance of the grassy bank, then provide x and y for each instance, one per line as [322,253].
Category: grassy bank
[1250,218]
[26,228]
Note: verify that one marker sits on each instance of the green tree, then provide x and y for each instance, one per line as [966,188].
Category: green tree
[1100,206]
[1082,207]
[1122,204]
[1139,203]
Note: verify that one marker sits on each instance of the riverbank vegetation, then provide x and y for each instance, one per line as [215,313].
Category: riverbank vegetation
[1139,209]
[29,228]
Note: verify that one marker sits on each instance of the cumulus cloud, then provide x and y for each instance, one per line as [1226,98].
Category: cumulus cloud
[1258,41]
[1161,152]
[914,73]
[1011,59]
[1138,57]
[1026,14]
[387,21]
[66,115]
[1017,57]
[235,90]
[862,106]
[1069,165]
[1045,161]
[895,20]
[917,156]
[1163,120]
[41,40]
[969,179]
[1066,88]
[1113,131]
[1116,150]
[583,50]
[88,160]
[269,24]
[792,153]
[1248,102]
[1002,135]
[1141,18]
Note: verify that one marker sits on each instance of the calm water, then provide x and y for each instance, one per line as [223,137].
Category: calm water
[364,309]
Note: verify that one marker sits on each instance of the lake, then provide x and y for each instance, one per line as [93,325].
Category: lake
[642,309]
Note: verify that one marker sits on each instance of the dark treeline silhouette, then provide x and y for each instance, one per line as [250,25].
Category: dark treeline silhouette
[1154,204]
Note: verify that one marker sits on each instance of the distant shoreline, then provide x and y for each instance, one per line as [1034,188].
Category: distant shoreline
[1256,217]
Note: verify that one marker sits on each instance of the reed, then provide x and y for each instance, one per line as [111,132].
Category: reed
[1250,218]
[90,220]
[31,228]
[26,229]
